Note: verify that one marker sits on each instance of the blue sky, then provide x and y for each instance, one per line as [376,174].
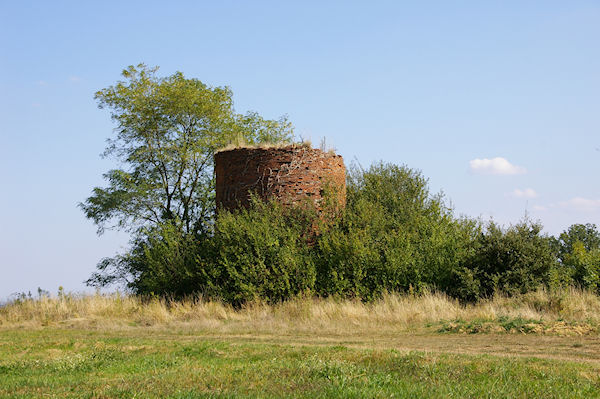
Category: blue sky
[496,102]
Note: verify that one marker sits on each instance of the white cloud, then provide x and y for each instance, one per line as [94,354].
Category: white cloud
[526,193]
[42,83]
[495,166]
[75,79]
[581,204]
[574,204]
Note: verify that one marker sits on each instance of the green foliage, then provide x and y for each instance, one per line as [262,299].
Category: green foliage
[394,236]
[166,262]
[516,260]
[261,253]
[163,261]
[167,131]
[579,254]
[586,234]
[584,265]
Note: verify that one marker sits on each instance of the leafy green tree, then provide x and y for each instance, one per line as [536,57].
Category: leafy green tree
[578,250]
[167,131]
[587,234]
[585,266]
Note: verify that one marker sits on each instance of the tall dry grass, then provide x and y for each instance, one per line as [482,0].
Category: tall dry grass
[302,315]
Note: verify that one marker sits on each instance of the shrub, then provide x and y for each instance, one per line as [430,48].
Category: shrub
[394,236]
[261,252]
[163,261]
[516,260]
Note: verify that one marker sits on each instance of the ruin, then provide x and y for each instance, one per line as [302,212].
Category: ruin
[291,174]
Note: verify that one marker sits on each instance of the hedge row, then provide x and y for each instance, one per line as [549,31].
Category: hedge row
[394,235]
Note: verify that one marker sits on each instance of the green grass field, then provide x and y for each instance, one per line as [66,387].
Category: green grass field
[119,347]
[99,364]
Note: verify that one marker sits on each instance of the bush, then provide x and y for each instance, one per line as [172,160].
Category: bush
[261,253]
[163,261]
[516,260]
[394,236]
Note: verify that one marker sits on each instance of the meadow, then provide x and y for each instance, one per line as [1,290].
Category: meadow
[542,344]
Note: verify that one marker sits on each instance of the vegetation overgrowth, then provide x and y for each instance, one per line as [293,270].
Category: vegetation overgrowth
[393,236]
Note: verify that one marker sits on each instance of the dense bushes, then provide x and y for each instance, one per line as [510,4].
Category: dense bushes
[261,252]
[516,260]
[162,261]
[393,235]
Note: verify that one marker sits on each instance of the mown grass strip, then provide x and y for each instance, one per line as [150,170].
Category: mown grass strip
[97,365]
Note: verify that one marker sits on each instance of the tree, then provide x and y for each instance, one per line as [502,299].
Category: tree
[587,234]
[584,265]
[578,250]
[167,131]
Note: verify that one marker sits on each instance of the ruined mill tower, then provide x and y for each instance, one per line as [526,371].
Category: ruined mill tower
[290,174]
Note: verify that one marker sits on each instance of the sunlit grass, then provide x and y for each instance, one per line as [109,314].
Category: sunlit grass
[120,346]
[572,311]
[95,364]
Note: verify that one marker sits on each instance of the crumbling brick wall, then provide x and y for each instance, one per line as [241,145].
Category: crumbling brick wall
[290,174]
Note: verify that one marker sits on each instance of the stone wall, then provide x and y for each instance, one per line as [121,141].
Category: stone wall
[291,174]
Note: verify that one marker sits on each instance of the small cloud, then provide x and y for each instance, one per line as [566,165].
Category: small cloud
[495,166]
[74,79]
[526,193]
[42,83]
[36,105]
[581,204]
[540,208]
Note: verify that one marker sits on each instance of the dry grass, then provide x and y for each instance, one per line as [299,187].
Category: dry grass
[393,313]
[240,143]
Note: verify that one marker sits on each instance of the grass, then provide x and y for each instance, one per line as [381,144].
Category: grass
[106,346]
[572,312]
[241,143]
[95,364]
